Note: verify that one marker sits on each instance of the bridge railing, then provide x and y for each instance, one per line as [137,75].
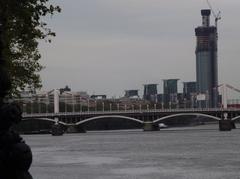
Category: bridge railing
[52,115]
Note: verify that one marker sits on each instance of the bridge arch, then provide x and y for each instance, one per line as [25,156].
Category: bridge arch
[235,118]
[108,116]
[45,119]
[187,114]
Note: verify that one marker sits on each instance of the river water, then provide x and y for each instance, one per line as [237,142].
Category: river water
[193,153]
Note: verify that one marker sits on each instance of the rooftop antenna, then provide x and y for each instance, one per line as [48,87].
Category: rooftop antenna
[217,16]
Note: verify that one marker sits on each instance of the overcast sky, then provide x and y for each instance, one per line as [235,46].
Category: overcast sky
[108,46]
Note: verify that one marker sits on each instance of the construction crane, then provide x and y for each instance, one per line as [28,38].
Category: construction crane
[216,16]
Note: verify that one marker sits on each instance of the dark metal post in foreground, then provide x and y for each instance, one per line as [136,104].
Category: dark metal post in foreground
[15,155]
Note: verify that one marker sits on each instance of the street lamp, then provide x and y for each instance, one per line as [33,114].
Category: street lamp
[39,104]
[31,105]
[80,104]
[47,102]
[65,101]
[184,101]
[24,108]
[118,106]
[95,105]
[73,104]
[110,107]
[88,105]
[192,101]
[207,99]
[103,106]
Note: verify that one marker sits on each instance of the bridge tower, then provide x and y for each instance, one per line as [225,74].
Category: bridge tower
[56,102]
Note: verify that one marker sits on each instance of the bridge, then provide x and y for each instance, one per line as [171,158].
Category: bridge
[148,117]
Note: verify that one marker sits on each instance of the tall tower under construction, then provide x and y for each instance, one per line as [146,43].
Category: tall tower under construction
[206,62]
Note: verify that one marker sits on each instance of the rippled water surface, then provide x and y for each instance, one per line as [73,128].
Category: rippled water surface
[182,154]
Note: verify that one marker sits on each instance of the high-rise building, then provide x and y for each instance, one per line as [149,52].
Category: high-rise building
[150,92]
[131,93]
[189,89]
[170,90]
[160,98]
[189,94]
[206,62]
[67,89]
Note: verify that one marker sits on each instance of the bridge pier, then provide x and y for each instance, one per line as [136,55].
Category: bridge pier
[233,125]
[226,124]
[75,129]
[57,130]
[150,126]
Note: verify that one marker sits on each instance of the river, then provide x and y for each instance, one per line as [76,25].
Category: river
[192,153]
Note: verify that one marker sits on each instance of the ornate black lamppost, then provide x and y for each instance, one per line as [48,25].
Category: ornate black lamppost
[15,155]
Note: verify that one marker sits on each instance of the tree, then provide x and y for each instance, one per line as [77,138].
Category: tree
[23,27]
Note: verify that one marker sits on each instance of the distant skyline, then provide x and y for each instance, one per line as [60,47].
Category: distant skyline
[108,46]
